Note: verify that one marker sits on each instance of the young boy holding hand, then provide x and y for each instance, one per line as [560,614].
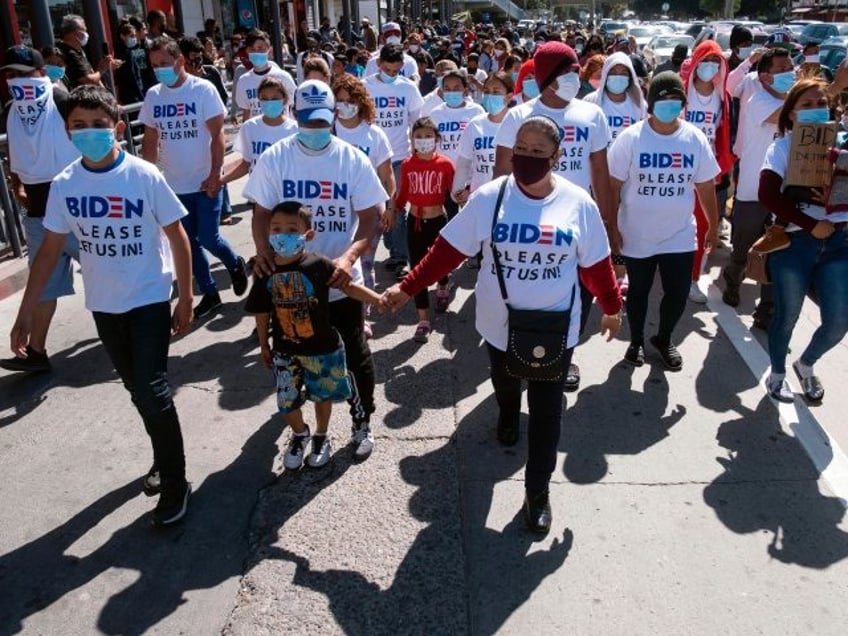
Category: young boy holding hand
[308,357]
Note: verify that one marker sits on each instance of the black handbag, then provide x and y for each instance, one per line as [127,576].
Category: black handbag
[537,340]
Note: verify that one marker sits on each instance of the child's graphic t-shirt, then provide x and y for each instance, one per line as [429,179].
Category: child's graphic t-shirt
[297,297]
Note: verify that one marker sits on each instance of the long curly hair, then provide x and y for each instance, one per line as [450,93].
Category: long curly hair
[358,95]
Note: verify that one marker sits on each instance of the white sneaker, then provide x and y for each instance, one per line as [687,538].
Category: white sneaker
[295,451]
[321,451]
[696,295]
[363,442]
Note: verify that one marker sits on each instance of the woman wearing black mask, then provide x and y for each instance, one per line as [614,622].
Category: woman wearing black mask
[545,230]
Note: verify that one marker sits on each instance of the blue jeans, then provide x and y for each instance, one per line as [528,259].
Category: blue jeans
[820,263]
[202,226]
[137,343]
[395,239]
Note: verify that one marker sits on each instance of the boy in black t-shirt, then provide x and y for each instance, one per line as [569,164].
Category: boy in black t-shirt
[308,357]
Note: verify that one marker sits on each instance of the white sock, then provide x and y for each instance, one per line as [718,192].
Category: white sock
[776,378]
[803,370]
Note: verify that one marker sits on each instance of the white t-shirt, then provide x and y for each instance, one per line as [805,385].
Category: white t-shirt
[336,183]
[659,174]
[754,138]
[704,112]
[180,115]
[398,106]
[541,243]
[117,216]
[431,101]
[583,127]
[409,70]
[255,136]
[477,144]
[452,123]
[777,160]
[621,116]
[247,88]
[370,139]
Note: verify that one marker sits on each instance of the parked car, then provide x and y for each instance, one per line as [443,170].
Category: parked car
[660,48]
[609,28]
[833,51]
[821,31]
[644,33]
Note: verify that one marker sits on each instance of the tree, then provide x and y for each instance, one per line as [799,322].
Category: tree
[718,8]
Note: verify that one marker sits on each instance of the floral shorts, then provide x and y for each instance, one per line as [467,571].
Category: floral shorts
[318,378]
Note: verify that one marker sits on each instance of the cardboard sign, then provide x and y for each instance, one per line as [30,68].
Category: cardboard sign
[809,164]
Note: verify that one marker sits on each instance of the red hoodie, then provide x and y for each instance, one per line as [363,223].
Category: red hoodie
[724,156]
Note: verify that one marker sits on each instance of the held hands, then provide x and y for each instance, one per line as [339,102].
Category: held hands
[393,298]
[610,326]
[342,276]
[263,263]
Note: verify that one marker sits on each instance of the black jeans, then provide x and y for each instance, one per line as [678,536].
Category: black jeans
[347,317]
[676,276]
[546,402]
[420,235]
[137,343]
[750,219]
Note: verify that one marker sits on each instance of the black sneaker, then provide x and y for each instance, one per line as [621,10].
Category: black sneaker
[572,379]
[537,512]
[671,357]
[152,482]
[207,305]
[239,277]
[172,505]
[35,362]
[635,354]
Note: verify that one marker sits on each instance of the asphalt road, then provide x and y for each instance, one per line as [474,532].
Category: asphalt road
[683,502]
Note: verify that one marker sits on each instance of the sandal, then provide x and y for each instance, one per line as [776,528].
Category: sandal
[811,385]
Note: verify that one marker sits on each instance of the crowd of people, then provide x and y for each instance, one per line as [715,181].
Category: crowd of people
[562,168]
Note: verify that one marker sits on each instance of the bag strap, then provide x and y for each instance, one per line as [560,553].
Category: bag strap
[498,269]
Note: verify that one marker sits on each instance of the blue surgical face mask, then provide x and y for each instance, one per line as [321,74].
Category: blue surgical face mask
[388,79]
[745,51]
[667,110]
[93,143]
[54,72]
[493,104]
[514,78]
[314,138]
[812,116]
[167,75]
[259,60]
[530,87]
[617,84]
[287,245]
[132,43]
[707,71]
[783,81]
[271,108]
[453,99]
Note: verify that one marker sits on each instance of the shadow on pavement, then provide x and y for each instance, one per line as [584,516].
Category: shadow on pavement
[615,418]
[207,549]
[769,484]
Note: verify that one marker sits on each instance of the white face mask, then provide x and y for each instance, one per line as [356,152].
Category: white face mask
[428,144]
[393,39]
[414,48]
[745,51]
[567,86]
[347,110]
[83,39]
[812,59]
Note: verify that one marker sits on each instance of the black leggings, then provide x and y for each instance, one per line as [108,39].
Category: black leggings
[347,317]
[676,277]
[420,235]
[545,401]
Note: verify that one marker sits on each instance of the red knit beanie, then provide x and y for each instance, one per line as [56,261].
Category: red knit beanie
[552,60]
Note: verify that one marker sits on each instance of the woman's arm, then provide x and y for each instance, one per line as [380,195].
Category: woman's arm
[779,204]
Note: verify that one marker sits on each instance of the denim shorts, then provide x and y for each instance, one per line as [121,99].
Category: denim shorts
[318,378]
[61,281]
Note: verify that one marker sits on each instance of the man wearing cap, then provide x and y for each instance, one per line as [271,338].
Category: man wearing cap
[392,35]
[652,224]
[345,203]
[39,149]
[758,115]
[623,44]
[585,137]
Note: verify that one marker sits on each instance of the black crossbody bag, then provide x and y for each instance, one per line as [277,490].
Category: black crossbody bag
[537,340]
